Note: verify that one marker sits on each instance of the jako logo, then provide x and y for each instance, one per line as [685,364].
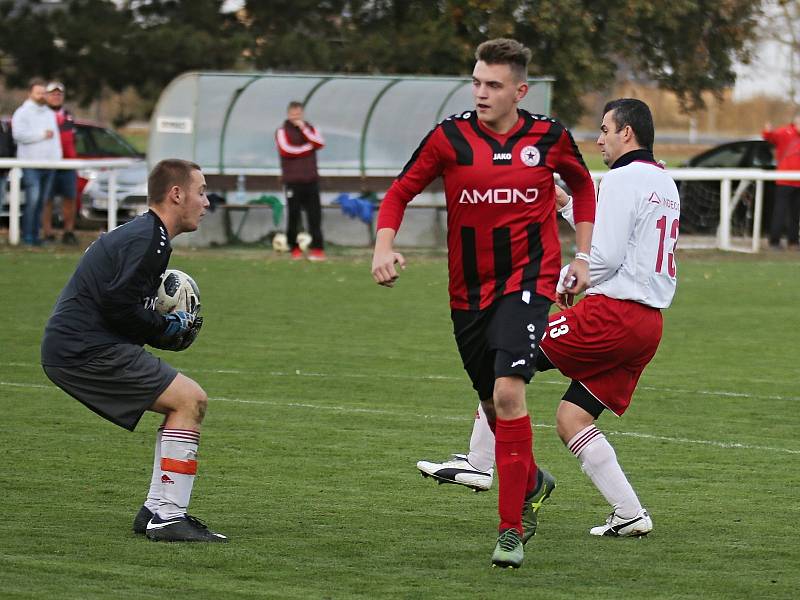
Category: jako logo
[501,156]
[499,196]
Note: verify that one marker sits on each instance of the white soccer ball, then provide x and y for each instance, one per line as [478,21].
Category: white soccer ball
[303,240]
[177,291]
[280,243]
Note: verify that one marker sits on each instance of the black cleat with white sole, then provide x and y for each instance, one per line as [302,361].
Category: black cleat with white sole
[142,519]
[181,529]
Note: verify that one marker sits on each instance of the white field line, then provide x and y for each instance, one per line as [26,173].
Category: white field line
[377,411]
[299,373]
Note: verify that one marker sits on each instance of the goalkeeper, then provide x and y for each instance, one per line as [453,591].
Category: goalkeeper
[92,345]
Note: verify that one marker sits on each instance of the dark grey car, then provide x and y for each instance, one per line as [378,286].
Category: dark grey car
[700,199]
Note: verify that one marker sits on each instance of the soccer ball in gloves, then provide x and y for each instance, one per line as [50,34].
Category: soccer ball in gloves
[178,291]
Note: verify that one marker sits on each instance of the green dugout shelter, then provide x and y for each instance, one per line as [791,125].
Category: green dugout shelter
[226,122]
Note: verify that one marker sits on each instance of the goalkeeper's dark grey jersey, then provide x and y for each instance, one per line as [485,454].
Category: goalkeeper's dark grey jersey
[110,298]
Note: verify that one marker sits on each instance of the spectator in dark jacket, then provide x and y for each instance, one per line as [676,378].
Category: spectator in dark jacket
[298,142]
[6,151]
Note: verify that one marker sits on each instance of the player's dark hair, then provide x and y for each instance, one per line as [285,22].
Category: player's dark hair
[504,51]
[166,174]
[633,112]
[34,81]
[294,104]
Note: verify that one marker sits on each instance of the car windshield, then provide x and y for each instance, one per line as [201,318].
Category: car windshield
[727,156]
[98,141]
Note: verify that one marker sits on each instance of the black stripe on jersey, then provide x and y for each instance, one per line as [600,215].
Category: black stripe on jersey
[469,262]
[501,153]
[577,152]
[530,273]
[551,137]
[501,247]
[458,142]
[548,140]
[415,156]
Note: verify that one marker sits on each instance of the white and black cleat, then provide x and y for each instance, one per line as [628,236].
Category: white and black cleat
[141,520]
[181,529]
[638,526]
[459,471]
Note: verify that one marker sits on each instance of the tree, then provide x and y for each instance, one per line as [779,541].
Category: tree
[96,45]
[687,46]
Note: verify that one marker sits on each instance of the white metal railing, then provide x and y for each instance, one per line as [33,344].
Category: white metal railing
[728,200]
[15,175]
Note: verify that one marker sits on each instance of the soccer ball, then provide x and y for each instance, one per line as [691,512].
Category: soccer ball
[177,291]
[303,240]
[280,243]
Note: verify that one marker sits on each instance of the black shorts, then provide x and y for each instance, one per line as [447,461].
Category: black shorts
[501,340]
[119,384]
[65,184]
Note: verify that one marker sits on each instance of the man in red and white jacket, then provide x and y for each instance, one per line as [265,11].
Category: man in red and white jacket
[298,142]
[65,181]
[786,211]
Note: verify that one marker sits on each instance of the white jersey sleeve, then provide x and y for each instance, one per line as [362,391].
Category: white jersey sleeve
[635,234]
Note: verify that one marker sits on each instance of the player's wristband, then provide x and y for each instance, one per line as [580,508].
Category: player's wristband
[582,256]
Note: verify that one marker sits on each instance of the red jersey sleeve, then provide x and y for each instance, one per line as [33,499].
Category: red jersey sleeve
[566,160]
[425,165]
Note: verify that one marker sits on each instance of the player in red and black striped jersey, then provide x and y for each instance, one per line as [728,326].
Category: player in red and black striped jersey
[497,162]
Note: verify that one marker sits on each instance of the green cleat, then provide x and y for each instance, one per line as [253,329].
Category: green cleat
[545,485]
[508,552]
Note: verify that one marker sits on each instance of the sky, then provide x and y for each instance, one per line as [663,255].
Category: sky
[769,73]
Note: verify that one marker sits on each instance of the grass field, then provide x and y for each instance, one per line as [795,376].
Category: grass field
[325,389]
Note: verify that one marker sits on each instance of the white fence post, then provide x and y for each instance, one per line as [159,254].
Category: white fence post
[112,200]
[724,230]
[13,205]
[757,208]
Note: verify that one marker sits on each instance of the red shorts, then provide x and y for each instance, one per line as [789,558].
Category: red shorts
[604,344]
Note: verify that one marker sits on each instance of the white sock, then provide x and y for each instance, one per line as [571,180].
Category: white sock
[599,462]
[481,444]
[154,493]
[178,469]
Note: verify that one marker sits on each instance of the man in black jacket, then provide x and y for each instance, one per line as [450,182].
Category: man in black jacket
[7,150]
[298,142]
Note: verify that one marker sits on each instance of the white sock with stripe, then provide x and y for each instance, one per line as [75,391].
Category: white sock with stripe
[481,444]
[154,493]
[178,469]
[599,462]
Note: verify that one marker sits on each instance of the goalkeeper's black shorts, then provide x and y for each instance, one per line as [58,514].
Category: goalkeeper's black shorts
[119,384]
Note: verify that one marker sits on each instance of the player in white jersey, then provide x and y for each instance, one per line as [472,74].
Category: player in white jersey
[605,341]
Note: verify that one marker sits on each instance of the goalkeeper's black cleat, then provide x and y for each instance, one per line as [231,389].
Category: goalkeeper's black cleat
[142,519]
[181,529]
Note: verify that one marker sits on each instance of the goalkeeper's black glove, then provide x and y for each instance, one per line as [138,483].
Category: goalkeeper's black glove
[182,329]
